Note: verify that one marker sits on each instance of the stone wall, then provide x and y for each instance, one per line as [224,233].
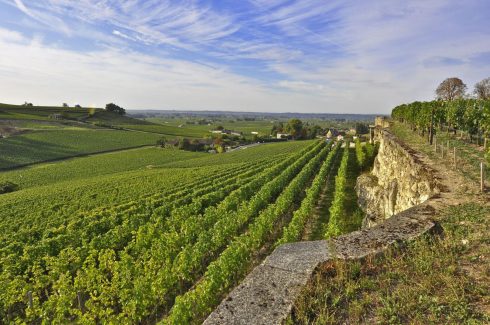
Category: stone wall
[397,182]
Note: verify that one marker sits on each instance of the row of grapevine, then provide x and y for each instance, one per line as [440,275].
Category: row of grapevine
[176,253]
[469,115]
[45,222]
[175,264]
[43,207]
[51,219]
[293,231]
[365,154]
[109,260]
[338,217]
[234,261]
[193,251]
[81,230]
[360,154]
[78,241]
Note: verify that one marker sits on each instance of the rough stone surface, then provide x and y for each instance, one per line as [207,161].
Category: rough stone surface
[397,182]
[299,257]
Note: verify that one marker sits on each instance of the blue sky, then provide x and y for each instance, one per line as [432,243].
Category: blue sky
[249,55]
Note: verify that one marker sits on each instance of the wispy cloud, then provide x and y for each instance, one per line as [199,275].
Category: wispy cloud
[121,34]
[43,17]
[257,54]
[162,22]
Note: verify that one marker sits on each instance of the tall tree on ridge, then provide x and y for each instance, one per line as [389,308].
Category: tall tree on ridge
[450,89]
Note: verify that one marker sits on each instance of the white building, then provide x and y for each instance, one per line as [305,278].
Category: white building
[283,135]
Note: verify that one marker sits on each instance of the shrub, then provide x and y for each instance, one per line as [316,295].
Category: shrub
[7,187]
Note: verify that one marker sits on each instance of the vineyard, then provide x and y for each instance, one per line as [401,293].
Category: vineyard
[470,117]
[173,240]
[458,130]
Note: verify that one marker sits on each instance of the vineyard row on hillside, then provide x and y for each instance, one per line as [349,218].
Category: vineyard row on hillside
[172,255]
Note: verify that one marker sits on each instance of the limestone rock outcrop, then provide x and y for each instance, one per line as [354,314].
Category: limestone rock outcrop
[397,182]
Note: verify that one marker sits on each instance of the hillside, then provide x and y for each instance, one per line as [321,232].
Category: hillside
[36,134]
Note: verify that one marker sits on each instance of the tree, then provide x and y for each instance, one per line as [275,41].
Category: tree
[111,107]
[220,128]
[361,128]
[27,104]
[313,131]
[450,89]
[183,144]
[78,106]
[65,105]
[161,142]
[482,89]
[277,128]
[294,127]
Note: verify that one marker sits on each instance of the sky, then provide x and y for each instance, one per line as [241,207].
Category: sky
[319,56]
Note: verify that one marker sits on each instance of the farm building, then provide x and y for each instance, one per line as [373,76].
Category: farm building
[283,135]
[332,133]
[225,131]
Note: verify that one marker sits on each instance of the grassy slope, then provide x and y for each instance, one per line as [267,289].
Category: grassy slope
[425,283]
[28,148]
[44,139]
[42,113]
[433,280]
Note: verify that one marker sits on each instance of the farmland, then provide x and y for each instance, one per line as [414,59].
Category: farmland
[139,237]
[30,135]
[55,144]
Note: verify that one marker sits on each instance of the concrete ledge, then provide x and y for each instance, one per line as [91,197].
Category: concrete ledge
[268,293]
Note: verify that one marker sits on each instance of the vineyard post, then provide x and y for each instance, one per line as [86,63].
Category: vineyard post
[482,174]
[454,156]
[29,299]
[435,144]
[442,151]
[81,304]
[448,148]
[431,130]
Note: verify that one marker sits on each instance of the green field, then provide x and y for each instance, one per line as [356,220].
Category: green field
[69,114]
[170,131]
[38,146]
[263,127]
